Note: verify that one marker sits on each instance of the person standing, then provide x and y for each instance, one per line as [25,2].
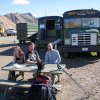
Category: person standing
[52,57]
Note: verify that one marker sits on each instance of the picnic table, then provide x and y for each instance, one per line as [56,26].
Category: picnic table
[48,68]
[19,68]
[31,68]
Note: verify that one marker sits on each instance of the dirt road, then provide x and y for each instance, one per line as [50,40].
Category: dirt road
[84,69]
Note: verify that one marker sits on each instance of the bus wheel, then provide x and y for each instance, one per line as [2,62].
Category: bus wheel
[66,55]
[98,54]
[20,42]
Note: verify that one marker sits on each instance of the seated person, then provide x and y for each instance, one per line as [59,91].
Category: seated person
[52,57]
[18,57]
[32,55]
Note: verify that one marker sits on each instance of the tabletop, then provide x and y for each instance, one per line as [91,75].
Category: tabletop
[20,67]
[30,67]
[48,69]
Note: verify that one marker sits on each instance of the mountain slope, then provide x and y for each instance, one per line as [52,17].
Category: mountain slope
[6,23]
[9,20]
[21,18]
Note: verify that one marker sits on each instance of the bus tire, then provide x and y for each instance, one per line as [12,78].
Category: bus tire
[20,42]
[98,54]
[66,55]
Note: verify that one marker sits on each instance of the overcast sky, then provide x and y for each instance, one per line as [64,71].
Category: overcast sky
[46,7]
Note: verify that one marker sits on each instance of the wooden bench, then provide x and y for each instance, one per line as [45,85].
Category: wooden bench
[9,83]
[20,84]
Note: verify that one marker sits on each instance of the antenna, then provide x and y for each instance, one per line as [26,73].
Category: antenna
[45,12]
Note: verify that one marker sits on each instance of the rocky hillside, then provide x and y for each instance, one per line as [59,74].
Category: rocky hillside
[6,23]
[21,18]
[9,20]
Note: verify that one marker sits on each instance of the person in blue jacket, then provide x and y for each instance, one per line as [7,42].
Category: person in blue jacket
[52,57]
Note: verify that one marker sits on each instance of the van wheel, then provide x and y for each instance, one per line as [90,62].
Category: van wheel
[20,42]
[24,41]
[2,34]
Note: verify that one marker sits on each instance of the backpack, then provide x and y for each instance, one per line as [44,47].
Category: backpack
[40,65]
[42,89]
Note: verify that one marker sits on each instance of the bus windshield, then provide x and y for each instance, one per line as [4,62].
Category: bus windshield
[81,23]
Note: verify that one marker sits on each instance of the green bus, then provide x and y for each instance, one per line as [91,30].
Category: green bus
[49,29]
[81,31]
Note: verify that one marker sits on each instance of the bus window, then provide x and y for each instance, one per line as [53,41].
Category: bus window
[50,24]
[42,26]
[90,22]
[72,23]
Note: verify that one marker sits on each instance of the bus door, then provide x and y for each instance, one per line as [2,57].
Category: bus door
[50,30]
[58,31]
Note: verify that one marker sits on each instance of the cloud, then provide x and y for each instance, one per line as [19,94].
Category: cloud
[21,2]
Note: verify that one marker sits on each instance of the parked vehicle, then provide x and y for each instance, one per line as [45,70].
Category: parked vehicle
[11,32]
[2,30]
[26,32]
[49,30]
[81,31]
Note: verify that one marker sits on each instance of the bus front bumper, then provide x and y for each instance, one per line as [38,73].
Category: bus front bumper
[95,48]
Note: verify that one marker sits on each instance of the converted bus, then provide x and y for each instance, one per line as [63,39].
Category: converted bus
[81,31]
[49,29]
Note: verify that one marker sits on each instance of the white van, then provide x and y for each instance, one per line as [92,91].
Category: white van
[11,32]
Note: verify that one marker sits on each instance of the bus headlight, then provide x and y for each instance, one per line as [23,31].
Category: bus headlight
[67,41]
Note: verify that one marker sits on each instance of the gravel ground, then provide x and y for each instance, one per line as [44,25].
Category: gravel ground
[85,69]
